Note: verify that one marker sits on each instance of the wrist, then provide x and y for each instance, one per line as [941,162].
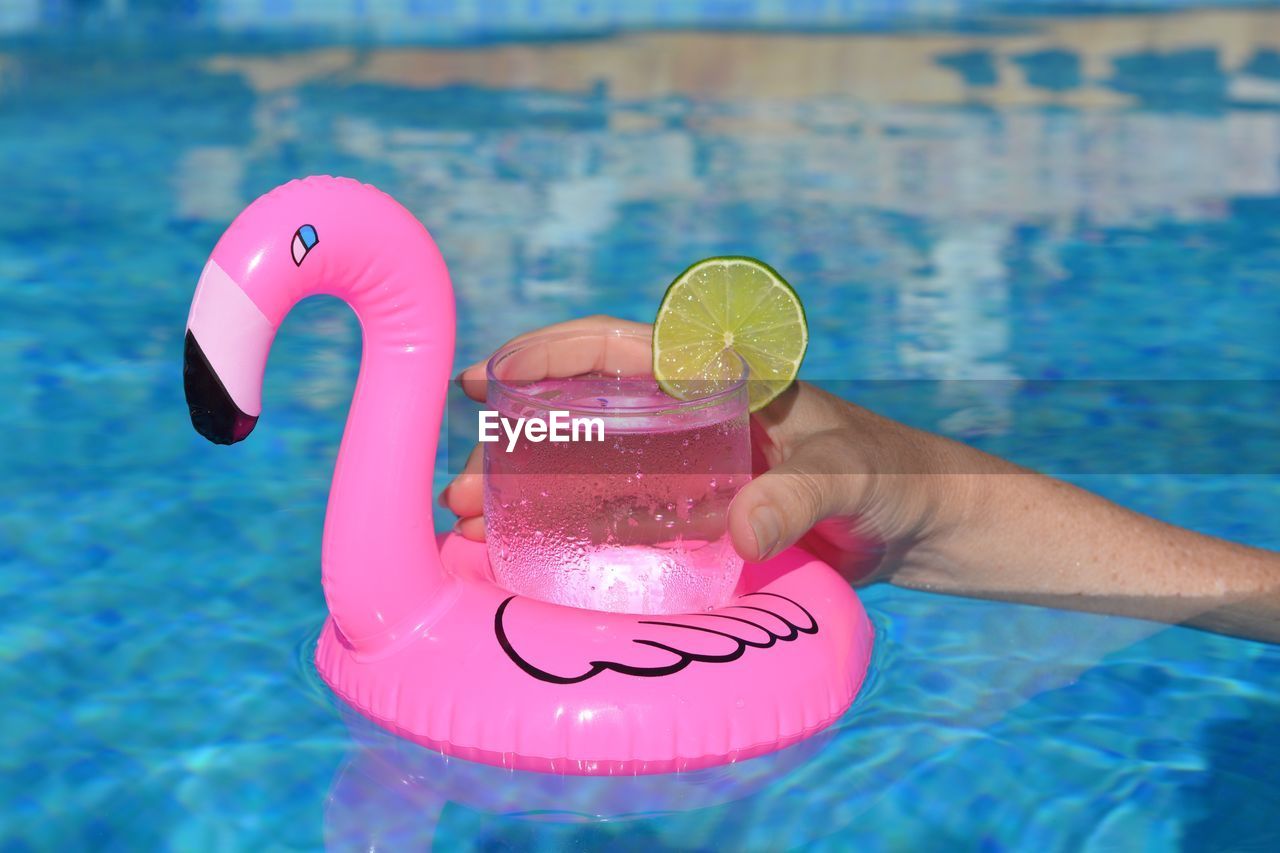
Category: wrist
[961,508]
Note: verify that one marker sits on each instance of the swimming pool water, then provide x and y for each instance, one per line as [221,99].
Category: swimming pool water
[1056,240]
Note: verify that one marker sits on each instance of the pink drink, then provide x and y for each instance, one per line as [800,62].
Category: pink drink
[634,523]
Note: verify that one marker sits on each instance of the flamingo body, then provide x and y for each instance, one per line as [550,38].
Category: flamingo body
[420,638]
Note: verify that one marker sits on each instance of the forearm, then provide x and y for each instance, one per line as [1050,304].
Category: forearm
[1026,537]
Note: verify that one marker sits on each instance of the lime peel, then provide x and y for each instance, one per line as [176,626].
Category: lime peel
[736,304]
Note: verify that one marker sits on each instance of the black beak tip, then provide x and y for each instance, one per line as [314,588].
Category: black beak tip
[213,413]
[215,427]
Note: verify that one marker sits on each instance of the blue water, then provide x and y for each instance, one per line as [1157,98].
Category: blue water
[1056,239]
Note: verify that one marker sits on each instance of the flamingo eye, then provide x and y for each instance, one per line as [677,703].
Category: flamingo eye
[304,240]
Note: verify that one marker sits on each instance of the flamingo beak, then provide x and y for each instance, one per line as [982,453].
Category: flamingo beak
[214,413]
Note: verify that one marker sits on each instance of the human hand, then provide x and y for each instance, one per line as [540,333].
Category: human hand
[859,491]
[877,499]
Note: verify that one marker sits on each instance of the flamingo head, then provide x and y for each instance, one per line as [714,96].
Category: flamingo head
[247,286]
[315,235]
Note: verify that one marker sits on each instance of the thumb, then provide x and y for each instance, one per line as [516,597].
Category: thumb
[776,509]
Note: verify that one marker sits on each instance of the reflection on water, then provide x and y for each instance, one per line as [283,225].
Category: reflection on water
[390,792]
[1001,209]
[523,159]
[548,165]
[955,320]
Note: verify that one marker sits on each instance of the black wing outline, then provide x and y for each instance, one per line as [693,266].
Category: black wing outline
[684,658]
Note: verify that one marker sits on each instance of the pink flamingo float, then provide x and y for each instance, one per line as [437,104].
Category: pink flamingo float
[420,639]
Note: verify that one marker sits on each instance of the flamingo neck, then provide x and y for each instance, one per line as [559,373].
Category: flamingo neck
[380,565]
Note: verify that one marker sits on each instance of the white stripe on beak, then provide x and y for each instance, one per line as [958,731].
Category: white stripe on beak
[234,336]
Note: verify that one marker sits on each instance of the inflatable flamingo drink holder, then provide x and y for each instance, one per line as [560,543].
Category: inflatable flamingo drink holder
[420,638]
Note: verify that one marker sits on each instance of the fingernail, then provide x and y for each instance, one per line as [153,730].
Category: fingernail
[442,499]
[767,528]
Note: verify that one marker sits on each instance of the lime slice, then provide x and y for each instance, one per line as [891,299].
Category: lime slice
[728,305]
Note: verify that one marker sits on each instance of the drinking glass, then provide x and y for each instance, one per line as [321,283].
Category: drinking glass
[627,513]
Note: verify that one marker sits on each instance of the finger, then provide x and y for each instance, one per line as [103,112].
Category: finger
[776,509]
[802,410]
[596,343]
[464,496]
[471,528]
